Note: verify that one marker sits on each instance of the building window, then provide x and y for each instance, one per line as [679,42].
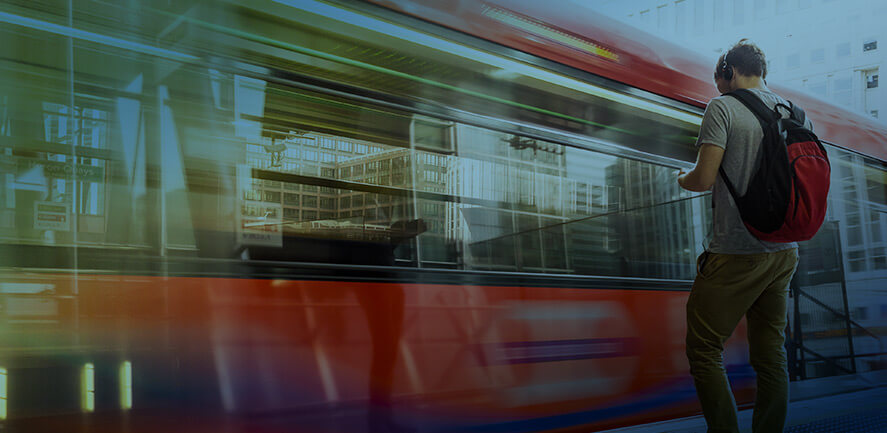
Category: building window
[783,6]
[874,113]
[817,55]
[872,81]
[699,17]
[717,15]
[738,12]
[857,261]
[680,17]
[869,45]
[761,11]
[661,17]
[843,50]
[841,91]
[327,203]
[819,88]
[645,18]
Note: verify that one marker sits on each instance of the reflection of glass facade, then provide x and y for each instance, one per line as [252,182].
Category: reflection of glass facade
[500,201]
[655,231]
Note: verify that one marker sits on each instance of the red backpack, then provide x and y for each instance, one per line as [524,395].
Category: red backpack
[787,194]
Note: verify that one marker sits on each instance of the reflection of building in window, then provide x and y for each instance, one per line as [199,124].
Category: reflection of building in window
[515,203]
[861,187]
[653,236]
[87,130]
[432,134]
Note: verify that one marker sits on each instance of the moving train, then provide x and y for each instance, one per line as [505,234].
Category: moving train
[381,216]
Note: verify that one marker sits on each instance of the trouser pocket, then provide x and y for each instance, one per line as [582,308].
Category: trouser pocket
[701,263]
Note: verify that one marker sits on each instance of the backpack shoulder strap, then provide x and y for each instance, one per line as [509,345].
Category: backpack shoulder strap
[764,114]
[798,113]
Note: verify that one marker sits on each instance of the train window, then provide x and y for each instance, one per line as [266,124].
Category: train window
[857,197]
[879,260]
[487,200]
[532,206]
[366,138]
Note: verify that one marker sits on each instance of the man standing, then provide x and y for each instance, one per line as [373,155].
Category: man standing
[738,274]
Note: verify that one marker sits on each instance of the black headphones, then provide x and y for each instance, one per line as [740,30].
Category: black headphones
[726,70]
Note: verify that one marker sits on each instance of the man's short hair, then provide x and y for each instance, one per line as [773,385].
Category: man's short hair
[746,57]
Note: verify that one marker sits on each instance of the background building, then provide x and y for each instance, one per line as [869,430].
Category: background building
[833,49]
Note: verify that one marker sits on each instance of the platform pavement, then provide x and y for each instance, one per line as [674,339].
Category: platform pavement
[831,410]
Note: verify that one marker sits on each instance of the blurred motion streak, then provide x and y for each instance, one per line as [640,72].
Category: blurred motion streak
[379,216]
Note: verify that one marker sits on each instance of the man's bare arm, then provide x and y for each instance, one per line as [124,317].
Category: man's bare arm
[703,175]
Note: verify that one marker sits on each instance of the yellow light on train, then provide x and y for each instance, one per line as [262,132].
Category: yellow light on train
[126,385]
[505,64]
[2,393]
[87,387]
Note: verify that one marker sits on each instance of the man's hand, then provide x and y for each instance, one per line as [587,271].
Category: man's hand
[681,175]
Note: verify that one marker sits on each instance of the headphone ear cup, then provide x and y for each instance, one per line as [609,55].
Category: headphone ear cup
[728,73]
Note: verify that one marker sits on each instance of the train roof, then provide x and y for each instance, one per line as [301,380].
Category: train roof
[580,38]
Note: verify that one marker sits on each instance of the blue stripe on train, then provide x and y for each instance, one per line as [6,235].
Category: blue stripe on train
[678,391]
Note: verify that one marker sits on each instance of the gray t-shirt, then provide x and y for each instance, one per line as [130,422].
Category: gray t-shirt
[730,125]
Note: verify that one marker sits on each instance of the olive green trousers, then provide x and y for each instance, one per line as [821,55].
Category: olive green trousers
[727,287]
